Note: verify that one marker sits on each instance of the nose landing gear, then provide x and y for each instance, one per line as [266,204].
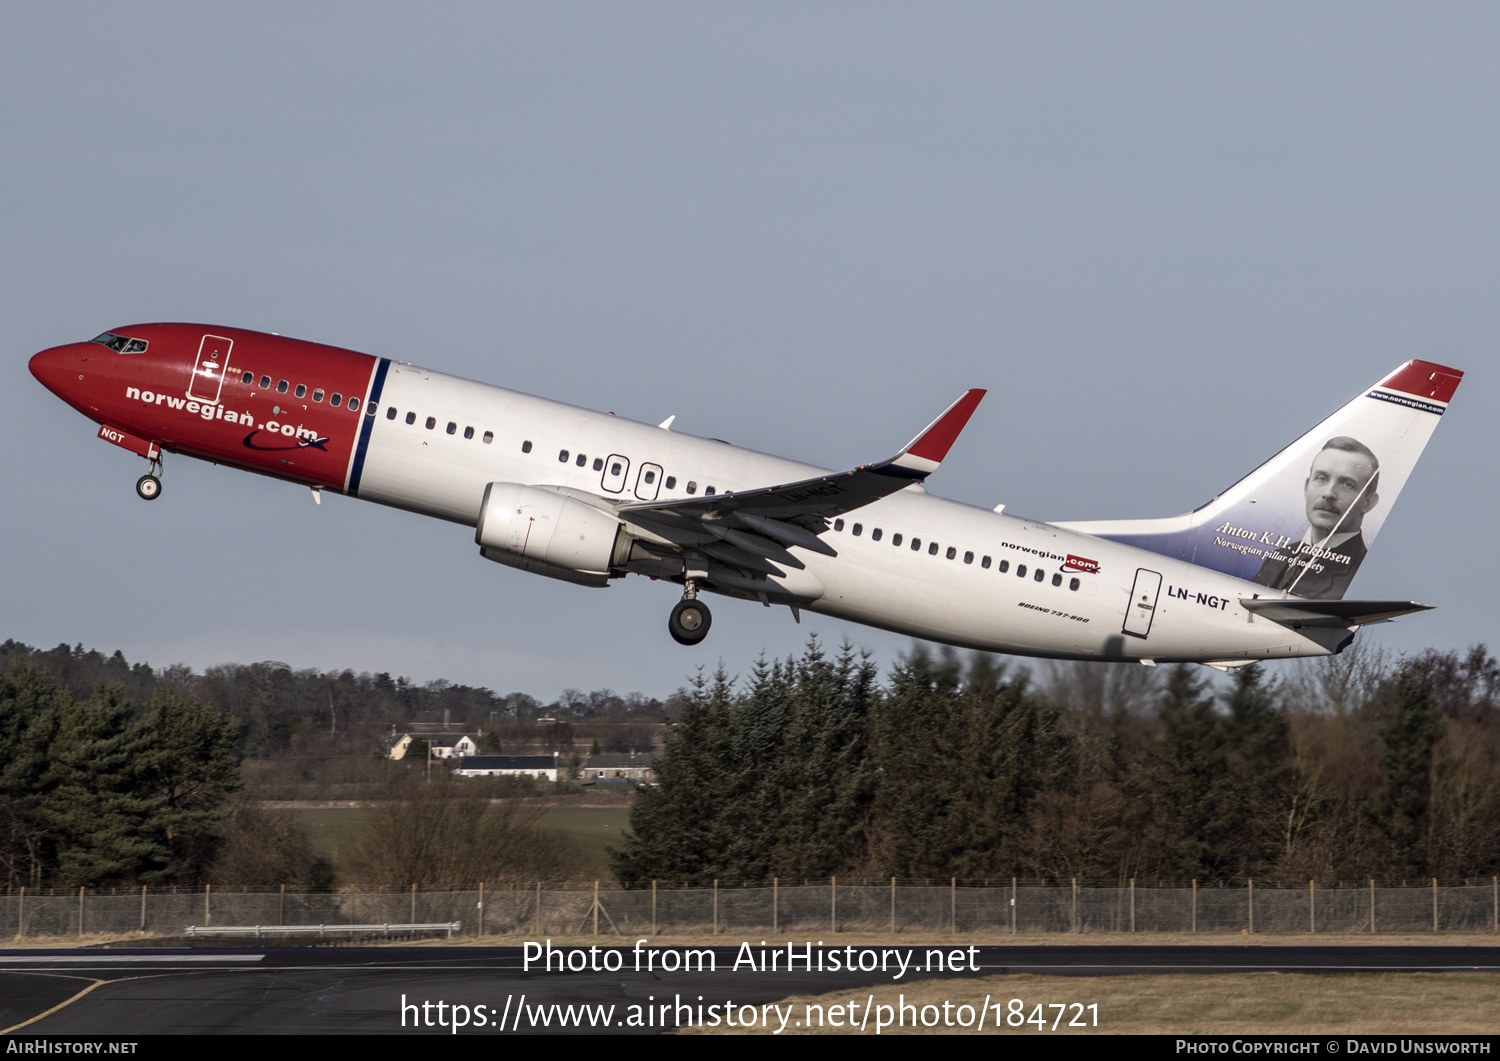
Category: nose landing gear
[149,485]
[690,619]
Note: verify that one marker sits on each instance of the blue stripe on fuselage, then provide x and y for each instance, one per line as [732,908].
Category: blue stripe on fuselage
[372,403]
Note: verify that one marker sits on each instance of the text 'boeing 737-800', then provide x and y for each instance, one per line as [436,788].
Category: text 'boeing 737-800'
[1260,572]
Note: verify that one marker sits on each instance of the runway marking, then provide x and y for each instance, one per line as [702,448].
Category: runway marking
[116,959]
[60,1005]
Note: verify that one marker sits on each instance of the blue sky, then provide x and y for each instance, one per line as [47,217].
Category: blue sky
[1169,238]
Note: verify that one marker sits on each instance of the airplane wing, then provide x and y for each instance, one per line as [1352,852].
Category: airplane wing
[1297,612]
[752,528]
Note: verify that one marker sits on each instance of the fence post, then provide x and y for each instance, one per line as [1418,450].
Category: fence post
[775,904]
[1372,906]
[80,910]
[596,907]
[1013,897]
[207,913]
[481,908]
[1132,904]
[21,916]
[1195,904]
[143,908]
[1495,884]
[536,915]
[414,901]
[1434,904]
[281,907]
[654,930]
[833,904]
[1075,904]
[893,906]
[1312,908]
[716,906]
[1251,929]
[953,905]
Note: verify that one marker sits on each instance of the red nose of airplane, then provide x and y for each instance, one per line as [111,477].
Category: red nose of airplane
[54,367]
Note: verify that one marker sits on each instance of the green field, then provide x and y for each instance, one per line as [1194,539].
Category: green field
[594,828]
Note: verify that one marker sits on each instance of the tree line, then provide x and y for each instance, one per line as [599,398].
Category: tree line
[1349,768]
[278,708]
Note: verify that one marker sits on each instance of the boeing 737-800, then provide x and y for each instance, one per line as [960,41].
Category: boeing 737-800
[1259,572]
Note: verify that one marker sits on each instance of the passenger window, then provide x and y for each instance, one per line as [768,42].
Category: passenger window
[265,382]
[318,394]
[969,558]
[857,529]
[489,436]
[525,446]
[598,464]
[335,399]
[247,377]
[875,534]
[468,432]
[650,478]
[1073,584]
[452,428]
[281,387]
[411,418]
[581,461]
[1040,574]
[1057,580]
[692,487]
[985,563]
[354,406]
[302,390]
[709,491]
[952,552]
[838,524]
[895,539]
[916,544]
[390,412]
[671,482]
[1004,566]
[1020,570]
[932,550]
[431,422]
[562,456]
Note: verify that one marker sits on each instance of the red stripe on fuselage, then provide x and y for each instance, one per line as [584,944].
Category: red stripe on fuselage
[146,394]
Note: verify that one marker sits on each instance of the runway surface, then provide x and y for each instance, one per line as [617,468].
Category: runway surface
[372,991]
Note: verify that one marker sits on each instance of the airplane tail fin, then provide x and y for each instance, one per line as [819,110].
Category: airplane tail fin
[1301,523]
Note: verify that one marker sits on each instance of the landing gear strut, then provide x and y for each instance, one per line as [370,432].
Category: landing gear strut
[690,619]
[149,485]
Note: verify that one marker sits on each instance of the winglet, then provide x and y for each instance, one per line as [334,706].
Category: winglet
[922,455]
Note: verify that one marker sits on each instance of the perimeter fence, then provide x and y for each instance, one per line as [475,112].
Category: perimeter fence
[798,908]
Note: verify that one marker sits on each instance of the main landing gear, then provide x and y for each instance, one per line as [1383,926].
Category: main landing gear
[690,619]
[149,485]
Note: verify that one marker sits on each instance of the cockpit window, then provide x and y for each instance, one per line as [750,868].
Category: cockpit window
[120,344]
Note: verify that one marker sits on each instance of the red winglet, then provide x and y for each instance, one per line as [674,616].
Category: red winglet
[1424,380]
[934,443]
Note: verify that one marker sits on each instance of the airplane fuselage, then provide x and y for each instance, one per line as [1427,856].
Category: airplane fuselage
[430,443]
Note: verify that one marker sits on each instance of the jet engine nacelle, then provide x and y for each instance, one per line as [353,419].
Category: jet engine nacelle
[548,533]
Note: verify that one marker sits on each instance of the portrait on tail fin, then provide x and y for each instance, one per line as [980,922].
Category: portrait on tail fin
[1341,487]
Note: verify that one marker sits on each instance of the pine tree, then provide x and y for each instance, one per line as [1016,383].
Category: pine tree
[1413,726]
[1189,778]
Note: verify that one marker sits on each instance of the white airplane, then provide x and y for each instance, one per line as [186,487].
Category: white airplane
[1259,572]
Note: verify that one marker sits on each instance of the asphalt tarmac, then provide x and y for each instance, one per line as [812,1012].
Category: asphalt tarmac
[617,990]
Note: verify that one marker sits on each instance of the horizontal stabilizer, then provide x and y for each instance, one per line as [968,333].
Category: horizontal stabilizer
[1330,612]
